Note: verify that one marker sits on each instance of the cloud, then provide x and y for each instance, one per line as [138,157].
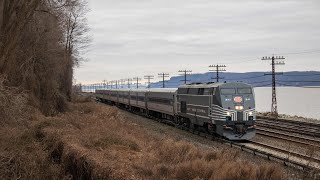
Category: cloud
[134,37]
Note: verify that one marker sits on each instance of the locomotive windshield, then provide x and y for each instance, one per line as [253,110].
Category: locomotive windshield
[228,91]
[244,91]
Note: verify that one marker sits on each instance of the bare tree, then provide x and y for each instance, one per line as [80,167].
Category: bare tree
[15,15]
[41,42]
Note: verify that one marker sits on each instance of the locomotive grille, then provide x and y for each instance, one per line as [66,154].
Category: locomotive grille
[240,116]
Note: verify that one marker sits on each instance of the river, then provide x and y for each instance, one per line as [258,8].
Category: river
[303,102]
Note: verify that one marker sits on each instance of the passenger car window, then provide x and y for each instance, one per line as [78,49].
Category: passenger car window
[244,91]
[228,91]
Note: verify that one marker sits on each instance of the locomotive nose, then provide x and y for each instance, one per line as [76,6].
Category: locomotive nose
[240,128]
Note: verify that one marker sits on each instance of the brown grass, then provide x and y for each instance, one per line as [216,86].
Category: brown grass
[110,145]
[92,141]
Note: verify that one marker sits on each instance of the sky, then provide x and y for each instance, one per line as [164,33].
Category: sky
[133,38]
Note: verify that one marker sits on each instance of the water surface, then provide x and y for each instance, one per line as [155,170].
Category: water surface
[291,100]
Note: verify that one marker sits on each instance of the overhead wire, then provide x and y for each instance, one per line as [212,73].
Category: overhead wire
[282,84]
[264,85]
[301,74]
[297,81]
[247,78]
[303,52]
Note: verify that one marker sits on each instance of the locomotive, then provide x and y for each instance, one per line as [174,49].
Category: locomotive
[223,109]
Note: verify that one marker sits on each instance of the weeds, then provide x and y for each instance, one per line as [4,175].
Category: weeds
[97,142]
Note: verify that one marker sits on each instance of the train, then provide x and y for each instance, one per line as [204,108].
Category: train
[221,109]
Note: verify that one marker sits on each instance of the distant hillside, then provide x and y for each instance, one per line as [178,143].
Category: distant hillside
[257,79]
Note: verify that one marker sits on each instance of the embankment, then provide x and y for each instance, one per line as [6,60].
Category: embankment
[93,141]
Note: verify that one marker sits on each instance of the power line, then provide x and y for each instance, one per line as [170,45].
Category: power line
[149,77]
[297,81]
[302,52]
[301,74]
[163,75]
[259,82]
[298,86]
[264,85]
[217,70]
[185,73]
[274,106]
[246,78]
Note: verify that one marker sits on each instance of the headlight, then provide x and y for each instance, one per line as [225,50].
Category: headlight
[238,107]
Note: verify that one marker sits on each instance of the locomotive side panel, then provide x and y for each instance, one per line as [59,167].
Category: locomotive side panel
[194,104]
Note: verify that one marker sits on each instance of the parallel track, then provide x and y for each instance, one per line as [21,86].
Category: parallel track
[293,122]
[308,130]
[294,156]
[309,142]
[246,147]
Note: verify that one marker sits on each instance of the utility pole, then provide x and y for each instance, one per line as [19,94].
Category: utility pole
[163,75]
[185,73]
[104,84]
[123,82]
[129,82]
[274,105]
[149,77]
[218,68]
[116,84]
[111,84]
[137,79]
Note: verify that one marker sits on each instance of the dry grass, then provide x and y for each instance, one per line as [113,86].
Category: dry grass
[101,142]
[92,141]
[13,104]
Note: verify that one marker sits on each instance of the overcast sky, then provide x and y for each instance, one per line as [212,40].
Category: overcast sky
[140,37]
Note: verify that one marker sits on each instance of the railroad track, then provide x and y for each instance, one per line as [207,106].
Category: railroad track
[270,152]
[309,129]
[288,156]
[309,142]
[258,149]
[287,122]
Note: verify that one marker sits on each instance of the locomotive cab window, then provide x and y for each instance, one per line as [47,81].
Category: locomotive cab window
[201,91]
[193,91]
[244,91]
[228,91]
[183,91]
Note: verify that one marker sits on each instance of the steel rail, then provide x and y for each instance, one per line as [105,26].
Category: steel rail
[305,157]
[291,130]
[260,130]
[289,121]
[243,147]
